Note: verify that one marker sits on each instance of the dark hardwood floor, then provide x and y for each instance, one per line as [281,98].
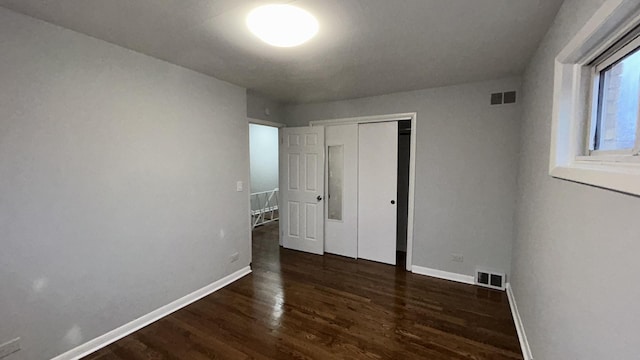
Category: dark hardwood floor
[301,306]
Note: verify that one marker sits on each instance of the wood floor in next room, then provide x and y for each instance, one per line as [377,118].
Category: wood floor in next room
[301,306]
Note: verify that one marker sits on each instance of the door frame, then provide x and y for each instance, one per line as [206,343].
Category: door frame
[413,116]
[266,123]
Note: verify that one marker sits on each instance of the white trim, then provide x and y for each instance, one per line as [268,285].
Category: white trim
[266,123]
[619,55]
[413,116]
[572,87]
[465,279]
[412,188]
[366,119]
[137,324]
[609,158]
[620,177]
[522,337]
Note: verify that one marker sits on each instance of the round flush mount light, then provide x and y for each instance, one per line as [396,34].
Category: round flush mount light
[282,25]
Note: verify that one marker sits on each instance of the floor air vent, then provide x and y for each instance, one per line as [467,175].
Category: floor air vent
[490,279]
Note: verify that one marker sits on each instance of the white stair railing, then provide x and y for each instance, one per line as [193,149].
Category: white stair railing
[264,207]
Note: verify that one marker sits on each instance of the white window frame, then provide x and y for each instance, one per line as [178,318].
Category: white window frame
[596,75]
[575,85]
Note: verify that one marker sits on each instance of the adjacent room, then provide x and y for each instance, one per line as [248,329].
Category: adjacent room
[319,179]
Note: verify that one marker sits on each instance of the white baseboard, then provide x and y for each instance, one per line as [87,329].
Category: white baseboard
[466,279]
[522,336]
[137,324]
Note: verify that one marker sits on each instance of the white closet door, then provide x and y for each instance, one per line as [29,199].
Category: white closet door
[341,222]
[302,188]
[377,191]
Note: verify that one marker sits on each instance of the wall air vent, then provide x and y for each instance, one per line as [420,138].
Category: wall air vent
[510,97]
[491,279]
[496,98]
[507,97]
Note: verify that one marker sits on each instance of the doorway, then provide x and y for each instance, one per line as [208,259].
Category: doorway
[404,161]
[264,172]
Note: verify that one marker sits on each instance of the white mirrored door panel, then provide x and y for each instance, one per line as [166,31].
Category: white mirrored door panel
[341,222]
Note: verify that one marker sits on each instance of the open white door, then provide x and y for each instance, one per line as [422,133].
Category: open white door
[301,188]
[377,191]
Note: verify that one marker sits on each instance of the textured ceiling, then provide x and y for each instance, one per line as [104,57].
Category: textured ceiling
[364,48]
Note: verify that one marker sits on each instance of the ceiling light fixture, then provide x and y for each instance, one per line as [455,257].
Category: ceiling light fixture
[282,25]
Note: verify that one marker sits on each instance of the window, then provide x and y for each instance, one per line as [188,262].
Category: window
[595,132]
[614,128]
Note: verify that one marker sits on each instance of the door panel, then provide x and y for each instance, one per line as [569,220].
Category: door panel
[301,190]
[312,172]
[341,221]
[377,191]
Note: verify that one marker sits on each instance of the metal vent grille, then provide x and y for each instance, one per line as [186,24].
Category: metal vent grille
[496,98]
[490,279]
[507,97]
[510,97]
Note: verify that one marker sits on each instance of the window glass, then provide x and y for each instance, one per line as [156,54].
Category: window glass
[618,98]
[336,178]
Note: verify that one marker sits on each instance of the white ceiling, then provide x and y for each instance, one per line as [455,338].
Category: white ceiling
[365,47]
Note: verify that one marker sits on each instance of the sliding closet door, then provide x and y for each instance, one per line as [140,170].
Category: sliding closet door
[377,191]
[341,222]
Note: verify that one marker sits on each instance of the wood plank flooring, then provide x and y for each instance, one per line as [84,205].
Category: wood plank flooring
[301,306]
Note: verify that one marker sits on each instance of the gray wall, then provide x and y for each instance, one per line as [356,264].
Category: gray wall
[117,186]
[575,260]
[466,166]
[264,157]
[256,105]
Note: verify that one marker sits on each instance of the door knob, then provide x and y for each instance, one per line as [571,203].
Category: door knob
[393,202]
[319,198]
